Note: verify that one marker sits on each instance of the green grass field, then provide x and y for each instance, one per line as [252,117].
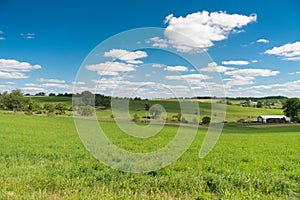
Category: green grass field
[43,158]
[233,112]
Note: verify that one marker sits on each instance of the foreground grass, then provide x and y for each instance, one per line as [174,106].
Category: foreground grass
[43,158]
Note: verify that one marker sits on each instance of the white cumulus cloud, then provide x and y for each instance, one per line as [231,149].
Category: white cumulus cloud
[176,68]
[290,51]
[235,62]
[252,72]
[14,69]
[213,67]
[200,30]
[127,56]
[51,80]
[262,41]
[110,68]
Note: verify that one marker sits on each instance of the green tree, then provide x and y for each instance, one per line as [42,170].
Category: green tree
[259,104]
[88,98]
[49,107]
[14,101]
[291,108]
[206,120]
[61,108]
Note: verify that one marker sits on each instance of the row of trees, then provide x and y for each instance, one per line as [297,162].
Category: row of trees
[16,101]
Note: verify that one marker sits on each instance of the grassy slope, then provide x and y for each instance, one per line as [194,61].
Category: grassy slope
[42,157]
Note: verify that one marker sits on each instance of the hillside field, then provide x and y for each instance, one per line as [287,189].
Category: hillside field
[43,158]
[233,112]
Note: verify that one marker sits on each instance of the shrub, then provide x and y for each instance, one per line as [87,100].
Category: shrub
[206,120]
[85,110]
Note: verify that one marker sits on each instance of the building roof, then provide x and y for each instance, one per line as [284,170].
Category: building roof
[272,116]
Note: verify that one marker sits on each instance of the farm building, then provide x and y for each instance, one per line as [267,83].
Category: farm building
[272,118]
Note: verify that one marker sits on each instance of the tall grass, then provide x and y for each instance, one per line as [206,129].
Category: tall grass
[43,158]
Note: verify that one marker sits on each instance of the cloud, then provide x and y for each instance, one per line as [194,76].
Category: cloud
[12,75]
[239,80]
[29,36]
[189,77]
[56,85]
[110,68]
[290,89]
[293,73]
[262,41]
[157,65]
[200,30]
[213,67]
[254,61]
[247,76]
[32,89]
[176,68]
[235,62]
[158,42]
[78,83]
[127,56]
[252,72]
[290,51]
[1,37]
[51,80]
[16,66]
[8,83]
[13,69]
[31,85]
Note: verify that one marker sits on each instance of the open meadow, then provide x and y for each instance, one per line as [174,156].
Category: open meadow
[43,158]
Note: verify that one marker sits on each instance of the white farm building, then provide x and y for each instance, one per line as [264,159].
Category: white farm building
[272,118]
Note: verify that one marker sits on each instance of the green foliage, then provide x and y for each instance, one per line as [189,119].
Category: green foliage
[101,100]
[14,101]
[85,110]
[61,108]
[49,107]
[135,118]
[87,98]
[291,108]
[177,117]
[259,104]
[206,120]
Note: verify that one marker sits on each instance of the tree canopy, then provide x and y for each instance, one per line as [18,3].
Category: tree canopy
[291,108]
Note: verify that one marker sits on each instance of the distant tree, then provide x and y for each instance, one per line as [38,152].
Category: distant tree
[40,94]
[206,120]
[60,108]
[101,100]
[52,95]
[291,108]
[147,106]
[259,104]
[88,98]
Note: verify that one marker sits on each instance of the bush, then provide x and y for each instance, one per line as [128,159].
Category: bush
[85,110]
[206,120]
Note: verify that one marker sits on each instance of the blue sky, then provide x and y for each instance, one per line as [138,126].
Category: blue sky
[254,46]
